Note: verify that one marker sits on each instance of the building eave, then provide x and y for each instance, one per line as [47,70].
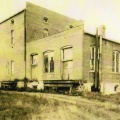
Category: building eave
[12,16]
[104,38]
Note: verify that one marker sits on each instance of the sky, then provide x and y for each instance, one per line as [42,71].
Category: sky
[93,12]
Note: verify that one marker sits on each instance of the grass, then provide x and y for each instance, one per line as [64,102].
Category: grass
[20,107]
[112,102]
[31,106]
[113,98]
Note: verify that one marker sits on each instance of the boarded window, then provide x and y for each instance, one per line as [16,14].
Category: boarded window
[48,61]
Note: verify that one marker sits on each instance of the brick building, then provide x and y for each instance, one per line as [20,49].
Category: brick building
[39,44]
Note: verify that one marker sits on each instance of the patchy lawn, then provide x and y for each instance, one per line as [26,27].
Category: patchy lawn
[37,106]
[113,98]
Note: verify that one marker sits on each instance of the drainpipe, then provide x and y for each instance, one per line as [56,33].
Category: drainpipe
[102,34]
[100,62]
[96,81]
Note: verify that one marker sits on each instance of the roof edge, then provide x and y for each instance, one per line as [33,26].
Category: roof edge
[12,16]
[108,39]
[80,20]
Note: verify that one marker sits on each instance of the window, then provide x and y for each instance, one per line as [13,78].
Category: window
[12,21]
[67,53]
[12,67]
[34,59]
[45,19]
[48,61]
[116,61]
[67,63]
[45,32]
[12,37]
[71,26]
[92,58]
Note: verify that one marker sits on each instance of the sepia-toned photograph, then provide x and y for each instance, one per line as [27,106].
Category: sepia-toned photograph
[60,60]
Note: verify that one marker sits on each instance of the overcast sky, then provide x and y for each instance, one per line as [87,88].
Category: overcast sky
[93,12]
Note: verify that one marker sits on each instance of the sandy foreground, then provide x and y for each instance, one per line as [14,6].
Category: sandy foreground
[65,107]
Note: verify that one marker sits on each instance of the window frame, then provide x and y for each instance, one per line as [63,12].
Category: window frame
[12,21]
[115,62]
[32,59]
[46,32]
[50,66]
[45,19]
[63,55]
[12,67]
[92,58]
[12,37]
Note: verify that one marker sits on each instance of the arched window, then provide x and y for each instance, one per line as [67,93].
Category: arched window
[48,61]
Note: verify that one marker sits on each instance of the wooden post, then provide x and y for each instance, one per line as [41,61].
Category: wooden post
[70,90]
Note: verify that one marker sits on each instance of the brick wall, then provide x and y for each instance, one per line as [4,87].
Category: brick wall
[73,37]
[56,22]
[109,79]
[88,75]
[8,51]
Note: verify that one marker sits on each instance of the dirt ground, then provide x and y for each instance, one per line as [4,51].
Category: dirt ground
[56,107]
[76,108]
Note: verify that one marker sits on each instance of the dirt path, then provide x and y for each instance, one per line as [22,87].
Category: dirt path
[63,107]
[75,108]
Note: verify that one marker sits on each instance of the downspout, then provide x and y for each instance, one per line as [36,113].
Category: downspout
[102,34]
[25,42]
[100,62]
[96,82]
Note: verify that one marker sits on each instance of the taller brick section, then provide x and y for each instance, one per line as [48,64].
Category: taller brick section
[35,23]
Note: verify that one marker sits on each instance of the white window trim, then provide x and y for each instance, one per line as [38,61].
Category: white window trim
[91,58]
[36,62]
[48,52]
[115,66]
[62,51]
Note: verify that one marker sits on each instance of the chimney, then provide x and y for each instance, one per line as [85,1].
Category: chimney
[101,31]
